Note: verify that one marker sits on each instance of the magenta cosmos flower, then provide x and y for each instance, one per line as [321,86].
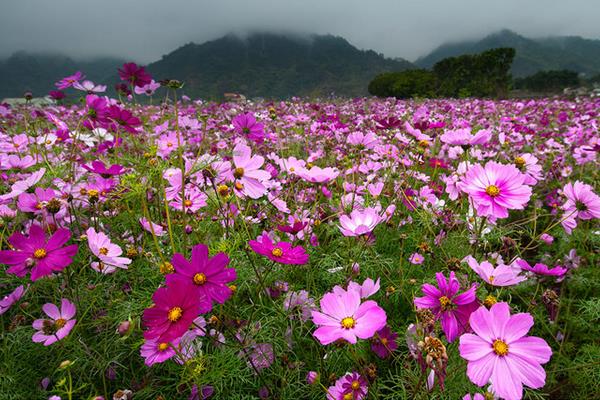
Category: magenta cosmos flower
[175,308]
[281,252]
[384,342]
[343,316]
[581,203]
[37,254]
[208,275]
[495,189]
[99,168]
[501,354]
[541,269]
[7,301]
[352,386]
[248,176]
[134,74]
[360,222]
[452,309]
[155,352]
[247,125]
[68,81]
[59,324]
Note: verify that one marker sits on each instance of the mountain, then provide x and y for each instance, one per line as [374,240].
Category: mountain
[37,73]
[532,55]
[274,66]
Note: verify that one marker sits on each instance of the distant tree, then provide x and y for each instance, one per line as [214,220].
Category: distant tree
[480,75]
[548,81]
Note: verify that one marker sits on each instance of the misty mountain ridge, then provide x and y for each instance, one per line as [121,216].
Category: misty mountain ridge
[532,55]
[272,65]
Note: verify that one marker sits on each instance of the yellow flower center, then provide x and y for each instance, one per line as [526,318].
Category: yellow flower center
[492,190]
[355,385]
[238,172]
[445,302]
[277,252]
[93,193]
[519,162]
[59,323]
[384,341]
[163,346]
[103,251]
[187,203]
[239,185]
[175,314]
[500,347]
[490,301]
[40,253]
[348,396]
[348,323]
[491,278]
[200,279]
[223,190]
[424,143]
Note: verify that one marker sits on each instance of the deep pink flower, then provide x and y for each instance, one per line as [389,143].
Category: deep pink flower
[343,316]
[541,269]
[99,168]
[175,308]
[246,124]
[452,309]
[37,254]
[384,342]
[351,386]
[56,95]
[68,81]
[360,222]
[134,74]
[208,275]
[281,252]
[58,326]
[96,112]
[496,188]
[499,352]
[124,119]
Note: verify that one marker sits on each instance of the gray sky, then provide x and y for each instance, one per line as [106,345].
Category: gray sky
[144,30]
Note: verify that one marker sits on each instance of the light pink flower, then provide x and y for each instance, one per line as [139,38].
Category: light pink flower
[502,275]
[58,326]
[249,178]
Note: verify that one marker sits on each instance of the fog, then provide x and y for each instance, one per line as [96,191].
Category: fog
[144,30]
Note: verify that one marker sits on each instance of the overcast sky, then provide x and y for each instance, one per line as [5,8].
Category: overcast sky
[144,30]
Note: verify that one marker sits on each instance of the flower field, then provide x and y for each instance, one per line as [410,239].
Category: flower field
[159,247]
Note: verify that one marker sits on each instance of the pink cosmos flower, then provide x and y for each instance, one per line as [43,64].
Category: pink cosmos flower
[208,275]
[528,164]
[175,308]
[499,352]
[416,259]
[58,326]
[281,252]
[151,227]
[37,254]
[496,188]
[360,222]
[541,269]
[68,81]
[107,252]
[246,124]
[317,174]
[452,309]
[461,137]
[344,317]
[147,89]
[7,301]
[21,186]
[476,396]
[122,118]
[155,352]
[581,203]
[366,290]
[351,386]
[36,202]
[89,87]
[249,178]
[502,275]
